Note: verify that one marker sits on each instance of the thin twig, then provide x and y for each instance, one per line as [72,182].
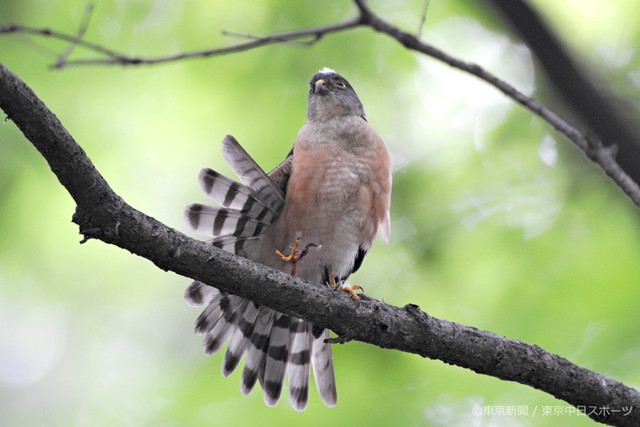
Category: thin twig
[116,58]
[37,47]
[81,32]
[314,38]
[47,32]
[423,18]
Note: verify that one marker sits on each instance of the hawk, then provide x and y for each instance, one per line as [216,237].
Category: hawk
[331,196]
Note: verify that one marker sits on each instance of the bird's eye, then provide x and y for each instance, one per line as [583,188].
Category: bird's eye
[340,84]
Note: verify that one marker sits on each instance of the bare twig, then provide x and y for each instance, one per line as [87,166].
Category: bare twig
[34,45]
[313,40]
[47,32]
[116,58]
[81,32]
[423,18]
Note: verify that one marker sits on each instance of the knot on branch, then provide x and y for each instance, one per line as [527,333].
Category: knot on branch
[106,234]
[90,230]
[597,150]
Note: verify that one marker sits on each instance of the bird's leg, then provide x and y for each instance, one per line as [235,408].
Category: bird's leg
[341,286]
[296,254]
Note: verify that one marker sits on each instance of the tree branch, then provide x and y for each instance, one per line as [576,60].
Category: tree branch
[47,32]
[605,157]
[574,85]
[116,58]
[103,215]
[81,32]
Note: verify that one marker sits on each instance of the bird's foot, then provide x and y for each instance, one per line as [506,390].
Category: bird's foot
[351,290]
[296,254]
[342,286]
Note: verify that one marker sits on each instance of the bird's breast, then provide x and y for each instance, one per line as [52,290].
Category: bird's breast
[337,195]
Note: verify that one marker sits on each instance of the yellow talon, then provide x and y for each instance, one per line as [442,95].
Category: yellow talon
[294,251]
[351,290]
[294,256]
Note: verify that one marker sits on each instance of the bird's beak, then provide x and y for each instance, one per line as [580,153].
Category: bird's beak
[320,87]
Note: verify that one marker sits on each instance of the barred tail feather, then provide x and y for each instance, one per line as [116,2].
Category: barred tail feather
[322,361]
[276,362]
[251,174]
[213,221]
[231,307]
[209,316]
[216,337]
[224,190]
[247,210]
[233,195]
[241,339]
[256,354]
[299,363]
[198,293]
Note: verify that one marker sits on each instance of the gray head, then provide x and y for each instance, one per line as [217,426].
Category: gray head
[331,95]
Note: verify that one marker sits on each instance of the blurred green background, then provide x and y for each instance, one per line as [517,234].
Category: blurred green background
[497,221]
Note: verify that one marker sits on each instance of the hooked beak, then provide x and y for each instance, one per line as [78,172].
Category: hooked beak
[320,87]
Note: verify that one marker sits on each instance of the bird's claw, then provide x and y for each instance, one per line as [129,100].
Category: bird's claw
[296,254]
[351,290]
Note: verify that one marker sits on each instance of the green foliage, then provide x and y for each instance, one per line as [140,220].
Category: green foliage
[497,221]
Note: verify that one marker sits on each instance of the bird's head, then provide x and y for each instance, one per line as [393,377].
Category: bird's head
[331,95]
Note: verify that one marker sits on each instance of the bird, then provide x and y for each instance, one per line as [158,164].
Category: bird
[324,203]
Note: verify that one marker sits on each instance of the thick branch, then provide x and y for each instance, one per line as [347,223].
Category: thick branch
[103,215]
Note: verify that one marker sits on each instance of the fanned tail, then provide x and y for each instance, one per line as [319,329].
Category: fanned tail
[274,342]
[248,210]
